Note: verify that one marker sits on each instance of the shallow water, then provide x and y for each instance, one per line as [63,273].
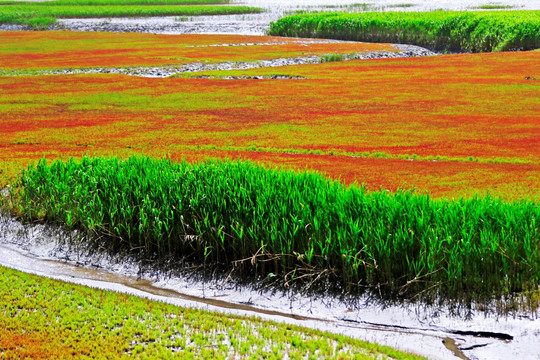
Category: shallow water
[258,24]
[171,70]
[431,332]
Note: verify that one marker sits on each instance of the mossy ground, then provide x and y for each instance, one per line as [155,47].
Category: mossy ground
[42,318]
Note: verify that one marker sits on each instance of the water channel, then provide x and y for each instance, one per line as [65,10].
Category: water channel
[429,331]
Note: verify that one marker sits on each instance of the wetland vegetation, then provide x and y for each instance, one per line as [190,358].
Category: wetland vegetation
[44,318]
[453,31]
[291,228]
[281,227]
[40,15]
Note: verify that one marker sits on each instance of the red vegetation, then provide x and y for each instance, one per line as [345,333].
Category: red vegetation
[49,49]
[379,122]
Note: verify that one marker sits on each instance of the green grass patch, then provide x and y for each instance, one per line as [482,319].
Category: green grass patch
[332,57]
[461,31]
[298,227]
[40,15]
[114,2]
[44,318]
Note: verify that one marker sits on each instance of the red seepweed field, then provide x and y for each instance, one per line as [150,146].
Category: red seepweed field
[450,125]
[59,49]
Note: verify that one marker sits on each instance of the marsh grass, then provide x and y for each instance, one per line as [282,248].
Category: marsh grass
[332,57]
[297,227]
[459,31]
[40,15]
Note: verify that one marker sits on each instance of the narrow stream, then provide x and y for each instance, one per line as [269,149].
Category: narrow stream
[429,332]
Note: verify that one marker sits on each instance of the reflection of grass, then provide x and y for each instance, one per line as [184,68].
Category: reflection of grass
[356,6]
[43,318]
[403,5]
[291,225]
[494,7]
[347,8]
[43,14]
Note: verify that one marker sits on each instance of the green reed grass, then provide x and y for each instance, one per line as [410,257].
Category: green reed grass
[460,31]
[114,2]
[264,222]
[40,15]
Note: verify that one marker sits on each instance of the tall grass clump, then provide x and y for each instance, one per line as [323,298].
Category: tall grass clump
[234,215]
[456,31]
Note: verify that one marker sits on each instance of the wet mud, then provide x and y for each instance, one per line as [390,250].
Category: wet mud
[451,345]
[38,249]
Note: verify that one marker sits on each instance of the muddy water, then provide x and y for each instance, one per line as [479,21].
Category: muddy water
[427,331]
[16,259]
[13,258]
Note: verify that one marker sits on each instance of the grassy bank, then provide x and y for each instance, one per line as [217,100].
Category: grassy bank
[299,227]
[463,31]
[43,14]
[48,319]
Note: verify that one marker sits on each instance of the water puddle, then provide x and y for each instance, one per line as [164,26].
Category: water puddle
[451,345]
[423,330]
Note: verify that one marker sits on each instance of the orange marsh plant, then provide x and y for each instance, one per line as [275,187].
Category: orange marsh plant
[61,49]
[450,125]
